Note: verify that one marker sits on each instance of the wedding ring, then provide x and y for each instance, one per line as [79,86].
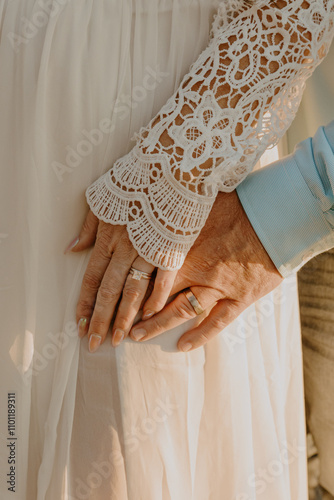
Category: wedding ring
[193,301]
[138,275]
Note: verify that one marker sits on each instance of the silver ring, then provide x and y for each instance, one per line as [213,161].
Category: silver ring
[193,301]
[138,275]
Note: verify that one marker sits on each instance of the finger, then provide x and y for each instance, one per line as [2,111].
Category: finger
[182,281]
[163,284]
[219,318]
[132,297]
[97,265]
[108,295]
[87,234]
[174,314]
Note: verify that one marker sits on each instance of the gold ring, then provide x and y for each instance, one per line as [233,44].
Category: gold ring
[138,275]
[193,301]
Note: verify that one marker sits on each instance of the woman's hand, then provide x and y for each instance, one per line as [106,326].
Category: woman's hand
[227,269]
[107,286]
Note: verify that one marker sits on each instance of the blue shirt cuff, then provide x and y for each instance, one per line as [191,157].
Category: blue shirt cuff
[285,207]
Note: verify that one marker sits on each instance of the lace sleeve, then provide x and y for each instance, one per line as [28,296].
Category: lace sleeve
[238,99]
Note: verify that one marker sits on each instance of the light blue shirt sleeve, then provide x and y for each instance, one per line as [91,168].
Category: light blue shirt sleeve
[290,203]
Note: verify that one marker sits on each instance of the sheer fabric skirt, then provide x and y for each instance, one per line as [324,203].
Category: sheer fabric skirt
[142,421]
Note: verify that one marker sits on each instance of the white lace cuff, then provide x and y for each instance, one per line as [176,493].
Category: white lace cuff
[152,210]
[238,99]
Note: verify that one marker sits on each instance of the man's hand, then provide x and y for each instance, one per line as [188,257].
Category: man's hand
[227,270]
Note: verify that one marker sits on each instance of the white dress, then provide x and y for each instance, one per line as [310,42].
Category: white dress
[142,421]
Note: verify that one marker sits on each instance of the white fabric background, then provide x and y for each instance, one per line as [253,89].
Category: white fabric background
[140,422]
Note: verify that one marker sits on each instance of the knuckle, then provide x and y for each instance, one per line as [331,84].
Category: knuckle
[248,297]
[183,310]
[103,253]
[155,305]
[157,325]
[128,252]
[122,322]
[91,281]
[125,241]
[107,295]
[204,338]
[106,229]
[125,244]
[104,243]
[98,325]
[132,294]
[198,264]
[103,250]
[235,308]
[161,285]
[84,309]
[216,324]
[128,256]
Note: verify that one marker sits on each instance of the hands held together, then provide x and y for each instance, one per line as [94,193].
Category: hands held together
[226,270]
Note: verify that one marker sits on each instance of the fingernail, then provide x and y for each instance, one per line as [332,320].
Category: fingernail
[147,314]
[94,342]
[82,327]
[186,347]
[72,244]
[138,334]
[117,337]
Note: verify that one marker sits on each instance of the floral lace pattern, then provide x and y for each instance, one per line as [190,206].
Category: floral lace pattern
[237,100]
